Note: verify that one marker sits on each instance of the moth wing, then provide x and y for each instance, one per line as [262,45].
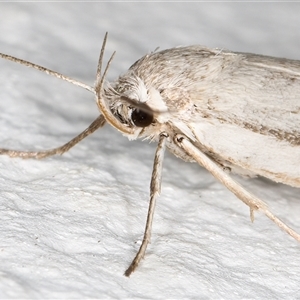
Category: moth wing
[249,118]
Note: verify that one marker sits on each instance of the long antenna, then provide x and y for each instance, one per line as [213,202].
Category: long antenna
[47,71]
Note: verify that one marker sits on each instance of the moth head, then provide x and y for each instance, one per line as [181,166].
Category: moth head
[131,103]
[135,104]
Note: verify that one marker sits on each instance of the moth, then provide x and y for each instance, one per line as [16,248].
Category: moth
[227,111]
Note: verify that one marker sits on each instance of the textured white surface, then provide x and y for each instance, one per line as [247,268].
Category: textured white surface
[70,225]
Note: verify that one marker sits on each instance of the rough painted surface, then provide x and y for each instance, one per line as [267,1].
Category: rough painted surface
[70,225]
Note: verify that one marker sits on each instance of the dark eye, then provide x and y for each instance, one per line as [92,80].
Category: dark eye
[141,118]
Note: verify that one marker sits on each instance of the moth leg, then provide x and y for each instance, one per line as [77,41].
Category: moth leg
[99,122]
[154,193]
[252,201]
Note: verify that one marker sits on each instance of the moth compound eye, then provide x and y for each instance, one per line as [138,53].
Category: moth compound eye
[141,118]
